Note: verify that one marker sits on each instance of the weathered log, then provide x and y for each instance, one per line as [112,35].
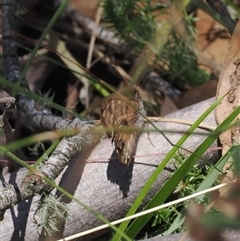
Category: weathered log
[106,186]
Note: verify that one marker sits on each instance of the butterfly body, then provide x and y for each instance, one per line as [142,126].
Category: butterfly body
[125,116]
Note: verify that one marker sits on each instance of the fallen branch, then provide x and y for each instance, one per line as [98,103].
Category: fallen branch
[106,186]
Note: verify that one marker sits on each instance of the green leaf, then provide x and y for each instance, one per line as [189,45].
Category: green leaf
[236,156]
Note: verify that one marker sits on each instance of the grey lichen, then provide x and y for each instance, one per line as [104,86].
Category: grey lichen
[51,210]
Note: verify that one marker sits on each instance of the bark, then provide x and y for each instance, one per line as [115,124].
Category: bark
[106,186]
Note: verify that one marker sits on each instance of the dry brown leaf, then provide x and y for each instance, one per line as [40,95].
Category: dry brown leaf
[229,82]
[196,94]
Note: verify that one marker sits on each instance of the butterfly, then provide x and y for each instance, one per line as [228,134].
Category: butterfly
[117,113]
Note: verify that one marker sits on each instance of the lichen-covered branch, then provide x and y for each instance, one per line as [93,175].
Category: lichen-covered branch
[33,183]
[8,105]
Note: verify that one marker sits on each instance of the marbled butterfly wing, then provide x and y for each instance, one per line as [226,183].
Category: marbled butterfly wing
[117,113]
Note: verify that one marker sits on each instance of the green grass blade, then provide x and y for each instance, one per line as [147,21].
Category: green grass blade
[236,157]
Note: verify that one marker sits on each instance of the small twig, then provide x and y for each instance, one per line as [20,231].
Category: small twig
[89,25]
[90,51]
[93,37]
[9,105]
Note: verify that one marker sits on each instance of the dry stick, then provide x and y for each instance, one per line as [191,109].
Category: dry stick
[93,37]
[90,50]
[9,105]
[89,25]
